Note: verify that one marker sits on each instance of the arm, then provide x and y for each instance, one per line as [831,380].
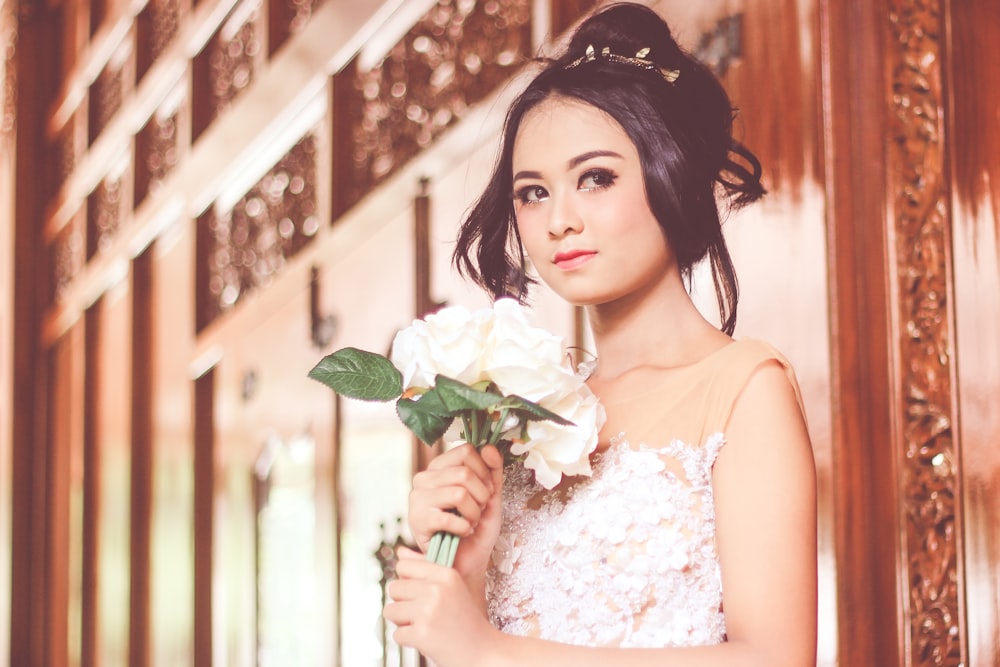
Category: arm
[764,483]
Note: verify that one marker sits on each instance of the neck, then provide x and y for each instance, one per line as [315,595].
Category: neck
[661,329]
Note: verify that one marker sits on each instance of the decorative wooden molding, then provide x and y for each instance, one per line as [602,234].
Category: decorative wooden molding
[251,243]
[930,496]
[229,64]
[455,56]
[8,105]
[157,26]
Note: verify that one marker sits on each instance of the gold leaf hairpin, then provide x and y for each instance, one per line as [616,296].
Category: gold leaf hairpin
[639,60]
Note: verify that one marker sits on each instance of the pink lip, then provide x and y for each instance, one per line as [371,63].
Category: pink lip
[570,259]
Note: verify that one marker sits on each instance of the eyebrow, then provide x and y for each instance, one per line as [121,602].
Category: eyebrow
[573,162]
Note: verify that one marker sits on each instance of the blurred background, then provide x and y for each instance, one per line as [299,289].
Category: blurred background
[201,198]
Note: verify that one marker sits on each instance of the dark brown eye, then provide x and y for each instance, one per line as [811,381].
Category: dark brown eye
[531,194]
[596,179]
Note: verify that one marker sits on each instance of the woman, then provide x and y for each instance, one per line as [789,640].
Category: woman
[694,542]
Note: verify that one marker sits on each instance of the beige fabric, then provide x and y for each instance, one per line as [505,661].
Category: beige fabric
[627,556]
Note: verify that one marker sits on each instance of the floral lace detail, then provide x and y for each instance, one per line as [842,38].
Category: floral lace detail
[626,557]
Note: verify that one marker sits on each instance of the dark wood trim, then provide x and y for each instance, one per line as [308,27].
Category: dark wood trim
[90,566]
[37,75]
[143,350]
[344,99]
[865,507]
[58,516]
[422,298]
[204,496]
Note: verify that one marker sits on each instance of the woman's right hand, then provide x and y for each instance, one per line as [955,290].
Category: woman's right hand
[469,482]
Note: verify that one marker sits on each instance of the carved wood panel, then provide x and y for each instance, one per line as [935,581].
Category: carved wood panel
[228,64]
[8,71]
[929,465]
[454,56]
[287,17]
[104,214]
[156,152]
[156,27]
[250,244]
[68,251]
[107,93]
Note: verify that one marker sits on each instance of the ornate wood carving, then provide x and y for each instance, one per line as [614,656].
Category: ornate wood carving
[156,153]
[453,57]
[930,487]
[157,25]
[719,47]
[287,17]
[65,151]
[104,214]
[234,55]
[8,37]
[106,95]
[249,245]
[227,65]
[68,255]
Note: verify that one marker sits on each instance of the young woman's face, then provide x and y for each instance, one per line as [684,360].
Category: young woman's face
[581,205]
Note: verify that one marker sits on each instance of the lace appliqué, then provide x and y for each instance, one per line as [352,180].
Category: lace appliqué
[626,557]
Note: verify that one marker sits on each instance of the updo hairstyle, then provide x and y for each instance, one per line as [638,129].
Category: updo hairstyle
[682,131]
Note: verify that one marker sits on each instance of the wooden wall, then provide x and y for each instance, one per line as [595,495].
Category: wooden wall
[8,78]
[213,193]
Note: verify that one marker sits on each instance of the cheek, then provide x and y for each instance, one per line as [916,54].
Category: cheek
[527,229]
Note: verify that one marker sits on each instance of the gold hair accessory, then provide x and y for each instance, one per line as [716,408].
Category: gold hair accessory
[639,60]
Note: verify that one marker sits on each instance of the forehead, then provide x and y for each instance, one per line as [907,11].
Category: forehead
[561,127]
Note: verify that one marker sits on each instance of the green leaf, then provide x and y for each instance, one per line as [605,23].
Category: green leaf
[427,416]
[458,396]
[359,374]
[530,411]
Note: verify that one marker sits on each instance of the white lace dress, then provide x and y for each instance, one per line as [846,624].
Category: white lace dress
[623,558]
[627,557]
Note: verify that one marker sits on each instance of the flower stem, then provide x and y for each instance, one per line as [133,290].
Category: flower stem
[449,559]
[434,548]
[498,427]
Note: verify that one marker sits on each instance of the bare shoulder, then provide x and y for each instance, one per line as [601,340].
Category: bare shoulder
[765,489]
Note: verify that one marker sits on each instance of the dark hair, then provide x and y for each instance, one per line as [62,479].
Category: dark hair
[681,130]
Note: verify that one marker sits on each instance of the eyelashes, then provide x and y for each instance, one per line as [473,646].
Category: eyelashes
[597,179]
[591,180]
[530,194]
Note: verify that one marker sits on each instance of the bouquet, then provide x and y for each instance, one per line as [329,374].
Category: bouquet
[502,380]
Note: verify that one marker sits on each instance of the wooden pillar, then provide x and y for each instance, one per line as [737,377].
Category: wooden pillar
[899,514]
[36,72]
[143,351]
[863,470]
[204,508]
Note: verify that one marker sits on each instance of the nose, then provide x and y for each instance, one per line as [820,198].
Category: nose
[564,217]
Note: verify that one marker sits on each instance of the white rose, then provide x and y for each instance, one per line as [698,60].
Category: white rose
[524,359]
[449,342]
[553,450]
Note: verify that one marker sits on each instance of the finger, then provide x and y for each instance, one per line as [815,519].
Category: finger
[478,485]
[400,613]
[404,553]
[417,572]
[403,589]
[462,455]
[429,503]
